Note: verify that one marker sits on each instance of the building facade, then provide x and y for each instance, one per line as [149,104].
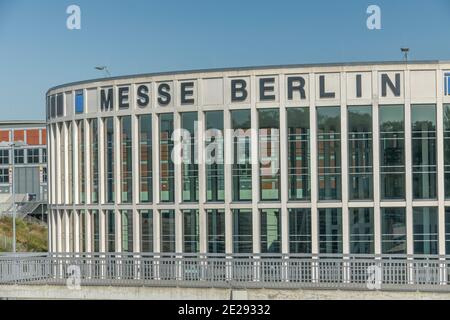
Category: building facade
[323,159]
[30,165]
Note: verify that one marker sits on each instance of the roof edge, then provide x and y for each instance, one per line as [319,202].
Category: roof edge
[226,69]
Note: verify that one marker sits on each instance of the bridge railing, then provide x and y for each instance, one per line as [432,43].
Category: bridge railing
[424,273]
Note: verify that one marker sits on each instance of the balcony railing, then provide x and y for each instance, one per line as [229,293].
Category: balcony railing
[401,273]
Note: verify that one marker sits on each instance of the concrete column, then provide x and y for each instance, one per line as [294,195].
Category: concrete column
[58,165]
[89,231]
[283,153]
[117,158]
[59,247]
[101,161]
[88,161]
[135,158]
[313,171]
[228,159]
[202,220]
[102,230]
[155,158]
[440,162]
[136,231]
[408,167]
[178,231]
[255,170]
[376,164]
[76,231]
[156,231]
[118,230]
[75,162]
[344,167]
[67,187]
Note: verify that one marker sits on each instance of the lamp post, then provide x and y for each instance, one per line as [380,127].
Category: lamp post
[12,145]
[103,68]
[405,53]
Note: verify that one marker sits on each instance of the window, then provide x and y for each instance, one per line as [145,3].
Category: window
[32,155]
[110,221]
[242,231]
[109,159]
[60,105]
[146,230]
[81,163]
[19,157]
[361,230]
[4,156]
[44,155]
[298,153]
[4,175]
[127,230]
[426,238]
[145,158]
[447,230]
[424,151]
[215,189]
[44,175]
[447,150]
[300,230]
[168,231]
[216,231]
[329,152]
[166,165]
[393,230]
[126,160]
[53,106]
[95,231]
[269,154]
[270,231]
[330,230]
[94,160]
[392,152]
[242,168]
[360,153]
[191,231]
[79,102]
[189,169]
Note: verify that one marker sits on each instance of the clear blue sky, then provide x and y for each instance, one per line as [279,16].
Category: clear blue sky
[37,51]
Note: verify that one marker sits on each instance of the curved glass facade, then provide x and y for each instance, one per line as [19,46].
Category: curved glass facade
[341,161]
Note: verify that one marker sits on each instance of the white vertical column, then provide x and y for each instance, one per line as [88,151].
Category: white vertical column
[118,231]
[67,188]
[408,167]
[76,231]
[178,190]
[75,163]
[256,216]
[228,159]
[376,165]
[344,167]
[117,157]
[58,231]
[66,226]
[102,230]
[313,171]
[58,165]
[136,231]
[87,161]
[89,230]
[155,158]
[203,233]
[52,163]
[440,162]
[283,168]
[156,231]
[135,174]
[101,161]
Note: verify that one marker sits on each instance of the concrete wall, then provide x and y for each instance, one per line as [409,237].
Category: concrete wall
[161,293]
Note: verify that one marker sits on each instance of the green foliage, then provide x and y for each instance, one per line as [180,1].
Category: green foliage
[31,237]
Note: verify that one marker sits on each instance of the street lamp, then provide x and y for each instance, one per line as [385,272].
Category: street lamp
[12,145]
[405,52]
[103,68]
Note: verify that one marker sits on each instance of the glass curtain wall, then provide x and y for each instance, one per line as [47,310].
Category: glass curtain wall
[126,159]
[94,160]
[424,151]
[145,158]
[270,231]
[242,168]
[269,154]
[361,231]
[110,224]
[330,230]
[242,231]
[300,230]
[191,231]
[393,230]
[81,163]
[189,167]
[360,160]
[299,154]
[216,230]
[109,159]
[146,230]
[392,152]
[329,152]
[426,238]
[215,189]
[166,164]
[127,230]
[168,231]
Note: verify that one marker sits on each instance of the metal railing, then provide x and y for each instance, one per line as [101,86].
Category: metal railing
[405,273]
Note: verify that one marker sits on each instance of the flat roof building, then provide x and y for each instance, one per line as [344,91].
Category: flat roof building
[322,159]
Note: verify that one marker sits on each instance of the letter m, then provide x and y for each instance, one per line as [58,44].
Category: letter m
[106,100]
